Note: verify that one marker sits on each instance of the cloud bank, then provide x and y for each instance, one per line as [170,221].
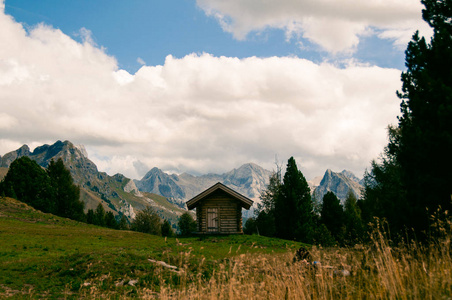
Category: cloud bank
[198,113]
[334,25]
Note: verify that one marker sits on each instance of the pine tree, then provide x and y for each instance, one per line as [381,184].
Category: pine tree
[99,215]
[28,182]
[294,217]
[110,220]
[424,146]
[265,213]
[123,224]
[332,215]
[90,217]
[186,224]
[166,229]
[66,195]
[354,229]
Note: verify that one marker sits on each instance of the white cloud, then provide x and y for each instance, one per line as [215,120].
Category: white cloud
[335,25]
[199,113]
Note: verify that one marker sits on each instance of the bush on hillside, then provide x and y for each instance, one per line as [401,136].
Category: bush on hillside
[186,224]
[147,221]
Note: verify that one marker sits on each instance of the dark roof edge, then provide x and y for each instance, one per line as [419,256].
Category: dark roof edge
[246,202]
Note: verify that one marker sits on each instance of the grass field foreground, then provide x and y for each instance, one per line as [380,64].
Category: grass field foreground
[43,256]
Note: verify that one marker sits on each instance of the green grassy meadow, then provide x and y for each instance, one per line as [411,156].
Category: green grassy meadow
[47,257]
[44,256]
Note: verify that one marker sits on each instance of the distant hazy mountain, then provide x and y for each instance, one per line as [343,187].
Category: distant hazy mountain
[117,193]
[339,184]
[249,180]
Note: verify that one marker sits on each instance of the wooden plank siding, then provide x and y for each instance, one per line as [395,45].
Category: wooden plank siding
[229,213]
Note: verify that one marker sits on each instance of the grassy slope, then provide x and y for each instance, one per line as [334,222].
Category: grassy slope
[46,256]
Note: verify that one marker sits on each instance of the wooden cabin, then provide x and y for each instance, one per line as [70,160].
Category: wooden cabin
[219,210]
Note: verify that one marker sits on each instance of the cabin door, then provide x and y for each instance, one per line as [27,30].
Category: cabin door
[212,220]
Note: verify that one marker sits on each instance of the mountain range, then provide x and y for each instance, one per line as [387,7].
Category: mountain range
[167,193]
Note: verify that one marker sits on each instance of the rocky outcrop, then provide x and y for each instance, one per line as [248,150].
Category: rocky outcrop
[8,158]
[338,183]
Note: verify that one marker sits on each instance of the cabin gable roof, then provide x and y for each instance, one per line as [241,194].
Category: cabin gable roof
[244,201]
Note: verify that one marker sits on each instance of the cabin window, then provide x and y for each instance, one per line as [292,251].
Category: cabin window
[212,219]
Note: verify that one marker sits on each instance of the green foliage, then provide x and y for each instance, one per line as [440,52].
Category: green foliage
[294,216]
[354,227]
[66,195]
[332,216]
[423,147]
[384,195]
[250,226]
[123,224]
[413,179]
[90,218]
[265,213]
[147,221]
[167,230]
[323,236]
[110,220]
[186,224]
[29,183]
[265,223]
[99,215]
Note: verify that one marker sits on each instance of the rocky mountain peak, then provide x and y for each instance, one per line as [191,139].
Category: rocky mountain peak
[9,157]
[338,183]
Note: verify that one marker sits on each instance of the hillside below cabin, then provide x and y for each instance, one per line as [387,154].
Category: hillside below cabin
[219,210]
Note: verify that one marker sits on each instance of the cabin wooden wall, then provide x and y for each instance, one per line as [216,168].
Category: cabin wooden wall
[229,213]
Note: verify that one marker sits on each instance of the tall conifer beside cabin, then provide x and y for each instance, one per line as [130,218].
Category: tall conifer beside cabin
[219,210]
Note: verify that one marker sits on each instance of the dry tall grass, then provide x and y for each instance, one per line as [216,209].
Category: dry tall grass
[376,271]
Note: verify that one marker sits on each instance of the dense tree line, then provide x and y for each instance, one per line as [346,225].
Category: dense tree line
[413,179]
[287,211]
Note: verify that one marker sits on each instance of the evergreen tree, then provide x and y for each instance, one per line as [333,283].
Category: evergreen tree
[384,195]
[354,229]
[90,218]
[423,148]
[332,215]
[250,226]
[66,195]
[28,182]
[265,223]
[166,229]
[186,224]
[99,215]
[414,177]
[110,220]
[147,221]
[123,224]
[294,217]
[265,213]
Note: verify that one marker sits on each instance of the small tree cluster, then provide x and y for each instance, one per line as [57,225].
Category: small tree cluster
[107,219]
[186,224]
[147,221]
[50,190]
[287,209]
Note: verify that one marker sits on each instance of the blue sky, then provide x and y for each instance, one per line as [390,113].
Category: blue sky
[207,85]
[151,30]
